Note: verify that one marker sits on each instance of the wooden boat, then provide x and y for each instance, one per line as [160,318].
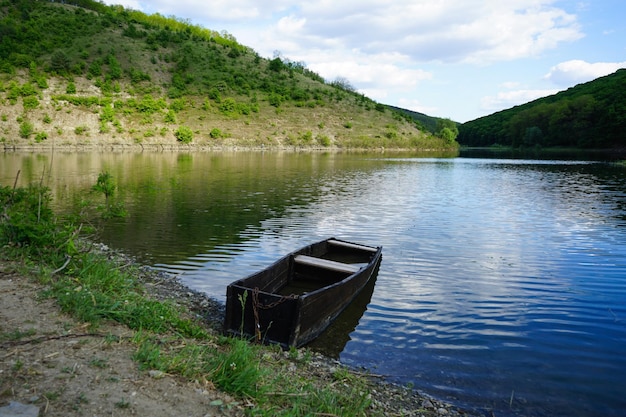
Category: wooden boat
[295,299]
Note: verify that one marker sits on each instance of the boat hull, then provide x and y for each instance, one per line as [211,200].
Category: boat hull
[294,300]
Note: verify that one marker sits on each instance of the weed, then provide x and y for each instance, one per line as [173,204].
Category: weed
[123,404]
[17,334]
[18,366]
[98,363]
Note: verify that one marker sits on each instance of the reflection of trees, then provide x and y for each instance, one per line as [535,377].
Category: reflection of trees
[180,201]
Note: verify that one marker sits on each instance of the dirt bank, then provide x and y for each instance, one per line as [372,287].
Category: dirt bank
[58,365]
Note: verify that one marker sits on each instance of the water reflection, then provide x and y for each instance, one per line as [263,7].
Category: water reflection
[498,274]
[334,339]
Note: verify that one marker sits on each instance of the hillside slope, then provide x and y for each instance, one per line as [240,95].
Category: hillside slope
[98,75]
[589,115]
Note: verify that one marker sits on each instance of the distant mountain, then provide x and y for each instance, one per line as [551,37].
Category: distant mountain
[88,73]
[589,115]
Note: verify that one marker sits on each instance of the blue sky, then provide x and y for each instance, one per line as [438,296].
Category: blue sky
[460,59]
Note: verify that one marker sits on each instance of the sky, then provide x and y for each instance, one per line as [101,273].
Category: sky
[457,59]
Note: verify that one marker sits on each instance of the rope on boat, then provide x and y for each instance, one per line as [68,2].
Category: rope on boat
[256,305]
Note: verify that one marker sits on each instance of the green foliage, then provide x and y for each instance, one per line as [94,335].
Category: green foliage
[27,221]
[30,102]
[237,371]
[216,133]
[60,62]
[107,114]
[26,129]
[228,106]
[164,57]
[148,105]
[170,117]
[105,184]
[588,115]
[184,134]
[275,99]
[177,105]
[71,88]
[81,130]
[41,136]
[447,130]
[115,69]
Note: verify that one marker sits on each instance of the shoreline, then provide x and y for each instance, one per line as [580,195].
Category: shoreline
[18,292]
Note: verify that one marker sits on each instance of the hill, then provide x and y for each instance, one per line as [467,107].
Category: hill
[91,74]
[589,115]
[424,121]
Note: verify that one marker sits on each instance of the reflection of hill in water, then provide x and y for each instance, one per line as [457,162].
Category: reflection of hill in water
[178,202]
[334,339]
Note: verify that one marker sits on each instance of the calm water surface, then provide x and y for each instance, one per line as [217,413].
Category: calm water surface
[503,281]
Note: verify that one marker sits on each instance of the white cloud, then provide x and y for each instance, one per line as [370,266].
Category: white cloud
[415,105]
[579,71]
[479,31]
[446,31]
[507,99]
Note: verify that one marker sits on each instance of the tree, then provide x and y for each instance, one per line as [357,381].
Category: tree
[59,62]
[447,129]
[344,84]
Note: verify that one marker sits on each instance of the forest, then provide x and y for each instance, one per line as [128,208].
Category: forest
[590,115]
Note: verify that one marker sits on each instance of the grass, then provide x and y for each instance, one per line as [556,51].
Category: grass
[93,288]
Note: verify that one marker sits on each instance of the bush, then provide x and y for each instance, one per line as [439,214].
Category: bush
[26,129]
[71,88]
[30,102]
[228,106]
[81,130]
[41,136]
[215,133]
[184,134]
[28,221]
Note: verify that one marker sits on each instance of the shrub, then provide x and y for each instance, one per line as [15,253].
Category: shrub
[177,105]
[215,133]
[170,117]
[81,130]
[184,134]
[323,140]
[228,106]
[28,220]
[30,102]
[275,99]
[41,136]
[71,88]
[26,129]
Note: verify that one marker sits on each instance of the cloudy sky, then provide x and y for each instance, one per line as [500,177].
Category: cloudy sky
[460,59]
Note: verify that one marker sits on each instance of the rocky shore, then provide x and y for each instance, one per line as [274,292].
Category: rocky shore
[54,366]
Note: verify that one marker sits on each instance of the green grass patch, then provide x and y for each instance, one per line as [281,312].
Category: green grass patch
[93,288]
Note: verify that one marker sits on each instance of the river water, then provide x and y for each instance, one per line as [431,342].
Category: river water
[503,281]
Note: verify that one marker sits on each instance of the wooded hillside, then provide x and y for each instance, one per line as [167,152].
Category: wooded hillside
[590,115]
[88,73]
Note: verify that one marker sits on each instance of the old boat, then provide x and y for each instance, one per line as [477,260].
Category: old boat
[295,299]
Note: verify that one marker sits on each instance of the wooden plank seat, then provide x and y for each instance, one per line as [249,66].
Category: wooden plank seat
[351,245]
[326,264]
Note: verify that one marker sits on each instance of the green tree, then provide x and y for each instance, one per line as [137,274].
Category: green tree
[447,130]
[59,62]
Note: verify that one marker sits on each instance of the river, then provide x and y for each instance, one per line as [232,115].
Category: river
[503,281]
